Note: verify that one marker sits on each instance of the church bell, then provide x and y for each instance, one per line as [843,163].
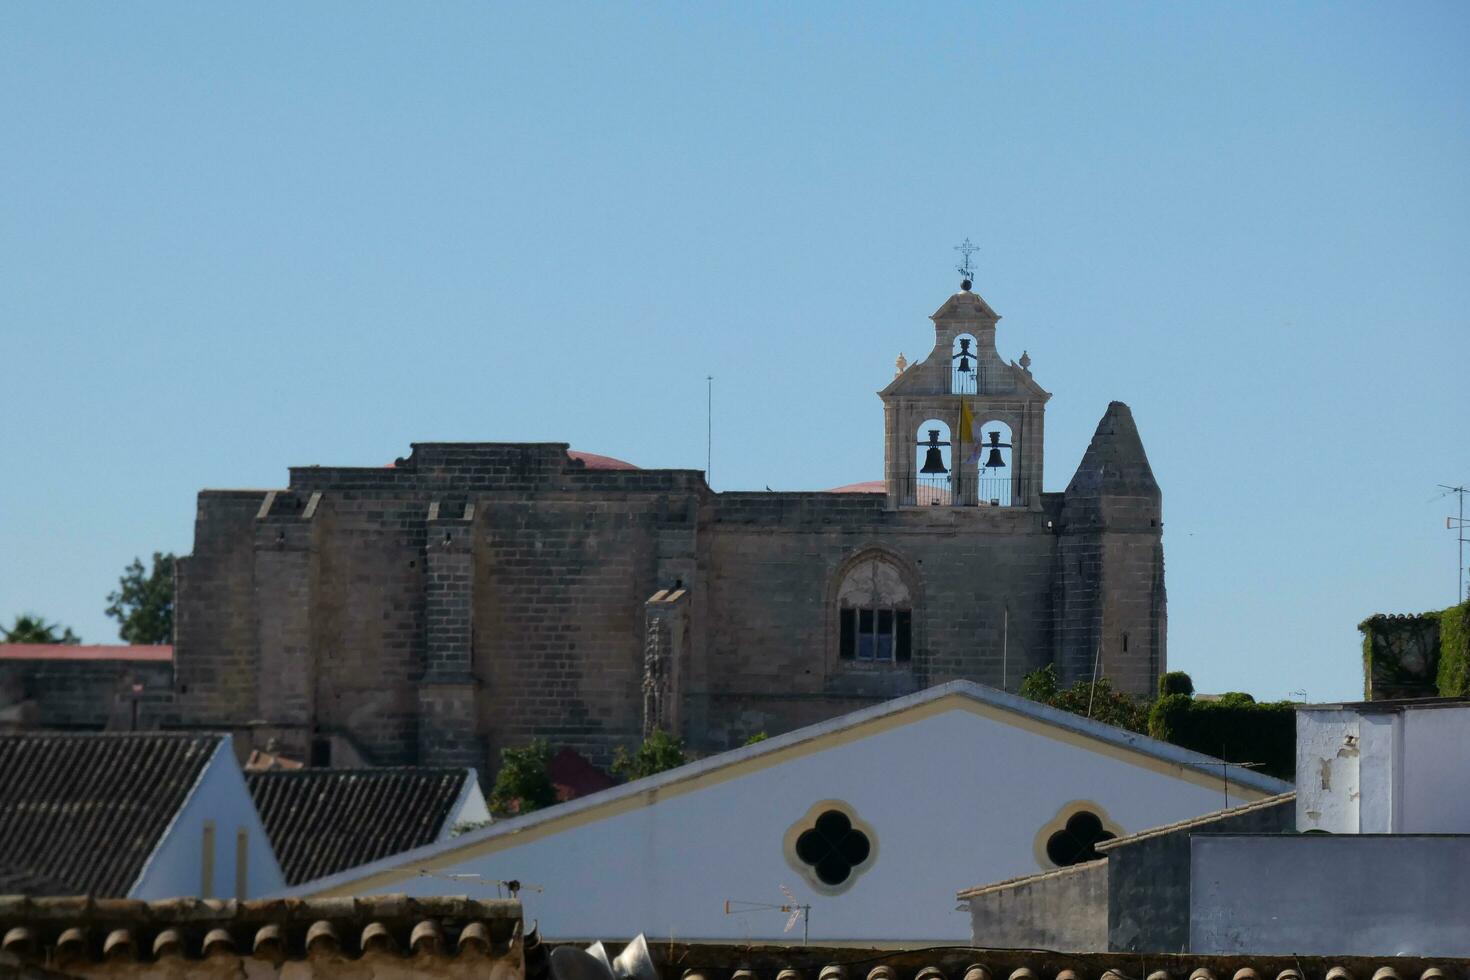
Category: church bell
[964,356]
[933,461]
[993,460]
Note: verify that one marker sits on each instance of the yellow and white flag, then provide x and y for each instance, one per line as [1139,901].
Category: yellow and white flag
[967,433]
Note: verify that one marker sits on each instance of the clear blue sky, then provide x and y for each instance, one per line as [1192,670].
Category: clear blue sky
[238,238]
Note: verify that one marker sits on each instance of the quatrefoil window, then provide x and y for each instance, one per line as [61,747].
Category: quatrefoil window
[1077,840]
[832,847]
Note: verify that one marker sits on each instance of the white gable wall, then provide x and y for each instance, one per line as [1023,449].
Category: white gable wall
[954,797]
[220,798]
[469,810]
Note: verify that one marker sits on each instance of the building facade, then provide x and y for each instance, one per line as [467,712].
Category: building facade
[474,596]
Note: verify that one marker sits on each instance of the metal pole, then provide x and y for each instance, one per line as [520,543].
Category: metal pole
[709,427]
[1005,645]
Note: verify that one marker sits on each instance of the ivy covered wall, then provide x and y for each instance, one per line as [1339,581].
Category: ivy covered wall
[1417,656]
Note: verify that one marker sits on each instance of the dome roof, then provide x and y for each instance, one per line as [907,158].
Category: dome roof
[595,462]
[871,486]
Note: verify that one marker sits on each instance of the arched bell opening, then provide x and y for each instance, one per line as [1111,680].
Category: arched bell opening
[964,365]
[996,481]
[933,465]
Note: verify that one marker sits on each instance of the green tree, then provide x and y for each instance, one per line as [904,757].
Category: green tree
[659,751]
[31,628]
[1098,701]
[143,605]
[522,784]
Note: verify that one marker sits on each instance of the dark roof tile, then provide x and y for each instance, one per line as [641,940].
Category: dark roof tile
[322,821]
[84,811]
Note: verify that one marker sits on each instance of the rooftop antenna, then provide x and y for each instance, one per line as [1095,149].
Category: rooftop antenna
[1457,524]
[502,886]
[966,249]
[797,911]
[1092,691]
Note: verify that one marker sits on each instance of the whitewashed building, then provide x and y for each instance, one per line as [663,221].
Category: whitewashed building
[1380,864]
[1384,767]
[874,820]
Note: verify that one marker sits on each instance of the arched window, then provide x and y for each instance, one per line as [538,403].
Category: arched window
[933,464]
[996,478]
[875,613]
[964,366]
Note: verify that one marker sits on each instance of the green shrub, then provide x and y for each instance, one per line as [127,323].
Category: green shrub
[1175,682]
[1235,728]
[522,784]
[1453,678]
[1097,701]
[659,752]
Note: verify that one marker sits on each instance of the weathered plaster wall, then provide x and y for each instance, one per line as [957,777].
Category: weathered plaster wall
[1379,770]
[1149,879]
[1066,910]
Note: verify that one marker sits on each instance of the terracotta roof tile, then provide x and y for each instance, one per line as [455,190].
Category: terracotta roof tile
[322,821]
[77,651]
[84,812]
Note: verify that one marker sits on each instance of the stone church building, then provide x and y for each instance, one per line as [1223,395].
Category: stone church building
[473,596]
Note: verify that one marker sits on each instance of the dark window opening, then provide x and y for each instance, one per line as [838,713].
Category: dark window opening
[321,752]
[881,635]
[833,847]
[1077,841]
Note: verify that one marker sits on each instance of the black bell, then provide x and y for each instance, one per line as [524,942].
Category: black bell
[964,356]
[993,460]
[933,461]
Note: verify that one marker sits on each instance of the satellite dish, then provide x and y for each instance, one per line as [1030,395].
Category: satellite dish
[570,963]
[635,962]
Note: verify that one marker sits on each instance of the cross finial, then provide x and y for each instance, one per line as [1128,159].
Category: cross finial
[966,249]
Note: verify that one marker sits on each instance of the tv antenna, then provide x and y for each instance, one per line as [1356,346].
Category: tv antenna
[796,911]
[1458,524]
[502,885]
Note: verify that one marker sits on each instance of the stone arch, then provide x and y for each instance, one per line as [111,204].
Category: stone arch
[874,605]
[964,365]
[995,485]
[931,488]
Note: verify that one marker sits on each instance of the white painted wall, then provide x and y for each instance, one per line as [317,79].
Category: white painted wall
[1380,771]
[955,800]
[176,866]
[1436,781]
[470,808]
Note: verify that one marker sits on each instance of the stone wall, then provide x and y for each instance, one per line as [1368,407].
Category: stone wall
[473,597]
[87,695]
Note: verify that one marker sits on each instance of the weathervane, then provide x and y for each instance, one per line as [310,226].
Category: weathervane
[966,249]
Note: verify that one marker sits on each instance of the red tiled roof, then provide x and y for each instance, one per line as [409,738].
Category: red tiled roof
[595,462]
[573,776]
[93,651]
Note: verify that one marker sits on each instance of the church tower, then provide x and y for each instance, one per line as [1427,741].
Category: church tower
[964,427]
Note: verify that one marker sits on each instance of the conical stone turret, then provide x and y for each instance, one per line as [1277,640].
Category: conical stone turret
[1111,617]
